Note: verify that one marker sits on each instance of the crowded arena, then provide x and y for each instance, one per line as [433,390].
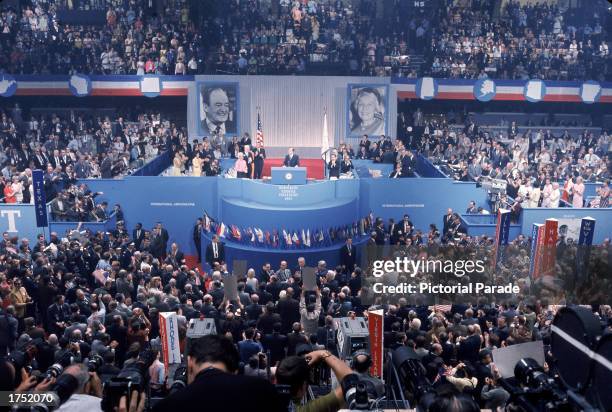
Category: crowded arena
[305,205]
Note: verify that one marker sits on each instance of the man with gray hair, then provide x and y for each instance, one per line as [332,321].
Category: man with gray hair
[88,393]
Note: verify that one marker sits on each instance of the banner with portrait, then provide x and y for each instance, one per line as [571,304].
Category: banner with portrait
[218,109]
[367,109]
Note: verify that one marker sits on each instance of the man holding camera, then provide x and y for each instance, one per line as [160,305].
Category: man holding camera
[212,381]
[294,371]
[87,389]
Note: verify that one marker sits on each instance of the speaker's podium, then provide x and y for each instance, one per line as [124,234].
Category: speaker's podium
[288,175]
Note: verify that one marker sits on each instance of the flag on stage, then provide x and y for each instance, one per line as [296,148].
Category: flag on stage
[268,238]
[295,239]
[308,238]
[260,235]
[275,239]
[221,229]
[325,138]
[236,232]
[320,236]
[304,238]
[259,136]
[207,222]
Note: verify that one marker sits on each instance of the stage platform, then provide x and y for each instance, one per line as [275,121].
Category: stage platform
[258,256]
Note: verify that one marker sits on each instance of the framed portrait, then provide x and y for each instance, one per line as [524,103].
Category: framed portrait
[367,109]
[218,109]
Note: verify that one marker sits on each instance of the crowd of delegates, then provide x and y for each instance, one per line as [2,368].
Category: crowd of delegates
[65,300]
[541,169]
[294,37]
[529,41]
[135,39]
[301,34]
[76,146]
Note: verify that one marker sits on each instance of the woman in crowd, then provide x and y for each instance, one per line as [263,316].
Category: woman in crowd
[196,166]
[578,192]
[567,190]
[555,195]
[9,194]
[241,166]
[178,163]
[546,193]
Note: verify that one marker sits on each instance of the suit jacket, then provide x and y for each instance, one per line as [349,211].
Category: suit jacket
[292,162]
[334,170]
[348,260]
[276,343]
[408,166]
[230,128]
[210,256]
[138,239]
[446,221]
[180,256]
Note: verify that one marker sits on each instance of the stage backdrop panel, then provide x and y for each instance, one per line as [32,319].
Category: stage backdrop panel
[218,107]
[291,107]
[367,109]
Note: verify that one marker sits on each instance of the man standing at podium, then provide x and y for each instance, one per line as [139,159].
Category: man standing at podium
[291,160]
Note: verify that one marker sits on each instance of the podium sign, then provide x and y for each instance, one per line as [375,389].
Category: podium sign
[288,175]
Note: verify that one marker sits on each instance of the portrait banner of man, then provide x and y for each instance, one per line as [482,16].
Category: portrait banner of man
[367,109]
[218,104]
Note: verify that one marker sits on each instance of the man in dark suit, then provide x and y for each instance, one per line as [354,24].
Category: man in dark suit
[447,220]
[291,160]
[408,163]
[57,315]
[197,237]
[163,233]
[276,344]
[216,111]
[348,256]
[106,168]
[138,235]
[472,209]
[176,258]
[289,311]
[404,228]
[380,233]
[212,365]
[215,252]
[260,156]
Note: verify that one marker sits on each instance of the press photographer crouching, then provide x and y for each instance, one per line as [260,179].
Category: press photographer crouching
[213,383]
[296,372]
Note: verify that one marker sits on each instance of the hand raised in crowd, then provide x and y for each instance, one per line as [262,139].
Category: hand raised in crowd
[137,403]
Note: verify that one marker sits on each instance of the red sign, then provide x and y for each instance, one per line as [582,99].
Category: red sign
[375,327]
[551,230]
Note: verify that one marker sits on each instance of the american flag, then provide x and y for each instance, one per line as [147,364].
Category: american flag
[259,137]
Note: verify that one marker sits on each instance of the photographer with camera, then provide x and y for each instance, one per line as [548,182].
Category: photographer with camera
[212,366]
[78,389]
[295,371]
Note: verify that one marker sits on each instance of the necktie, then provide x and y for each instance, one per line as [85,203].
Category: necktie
[349,250]
[215,250]
[217,130]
